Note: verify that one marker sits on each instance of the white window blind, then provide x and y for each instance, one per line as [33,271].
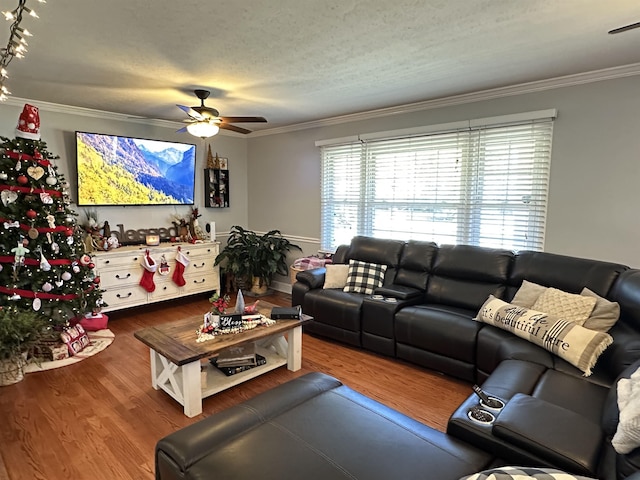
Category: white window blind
[482,186]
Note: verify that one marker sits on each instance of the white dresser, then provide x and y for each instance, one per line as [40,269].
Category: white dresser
[121,270]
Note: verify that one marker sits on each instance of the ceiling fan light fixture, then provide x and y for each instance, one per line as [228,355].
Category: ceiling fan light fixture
[203,129]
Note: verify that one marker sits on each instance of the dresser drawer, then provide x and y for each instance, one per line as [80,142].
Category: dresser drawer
[201,282]
[118,277]
[129,296]
[165,288]
[125,260]
[209,250]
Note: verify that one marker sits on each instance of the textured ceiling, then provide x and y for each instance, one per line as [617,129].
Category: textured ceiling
[294,61]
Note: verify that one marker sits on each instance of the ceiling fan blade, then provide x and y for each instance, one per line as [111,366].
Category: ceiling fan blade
[625,28]
[243,119]
[191,112]
[233,128]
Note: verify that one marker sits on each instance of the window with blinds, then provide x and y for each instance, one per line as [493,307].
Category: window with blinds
[484,185]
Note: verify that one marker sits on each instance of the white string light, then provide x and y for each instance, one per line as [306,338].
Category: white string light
[16,45]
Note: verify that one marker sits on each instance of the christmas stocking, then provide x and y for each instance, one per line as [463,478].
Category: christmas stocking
[178,274]
[150,268]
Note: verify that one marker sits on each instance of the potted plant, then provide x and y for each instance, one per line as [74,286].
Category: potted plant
[19,333]
[254,259]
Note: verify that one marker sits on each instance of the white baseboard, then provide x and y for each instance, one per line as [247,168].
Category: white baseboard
[284,287]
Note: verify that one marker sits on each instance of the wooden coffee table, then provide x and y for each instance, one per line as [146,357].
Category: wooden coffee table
[176,357]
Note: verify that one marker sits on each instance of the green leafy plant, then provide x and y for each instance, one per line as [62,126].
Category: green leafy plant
[20,331]
[251,256]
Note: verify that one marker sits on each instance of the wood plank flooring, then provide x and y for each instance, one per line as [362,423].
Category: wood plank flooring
[100,419]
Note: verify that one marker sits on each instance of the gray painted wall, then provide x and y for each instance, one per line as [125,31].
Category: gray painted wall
[595,168]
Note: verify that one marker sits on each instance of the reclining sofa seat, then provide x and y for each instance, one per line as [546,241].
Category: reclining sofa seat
[337,314]
[439,333]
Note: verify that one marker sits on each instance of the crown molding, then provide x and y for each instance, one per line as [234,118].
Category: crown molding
[102,114]
[519,89]
[90,112]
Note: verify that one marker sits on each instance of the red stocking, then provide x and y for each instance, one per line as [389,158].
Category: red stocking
[150,268]
[178,274]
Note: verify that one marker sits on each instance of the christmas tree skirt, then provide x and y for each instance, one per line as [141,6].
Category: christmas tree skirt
[98,341]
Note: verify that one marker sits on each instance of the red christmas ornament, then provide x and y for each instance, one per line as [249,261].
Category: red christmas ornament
[69,232]
[85,260]
[96,280]
[22,179]
[91,265]
[31,213]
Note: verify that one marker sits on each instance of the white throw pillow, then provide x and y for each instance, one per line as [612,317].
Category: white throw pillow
[568,306]
[336,275]
[627,436]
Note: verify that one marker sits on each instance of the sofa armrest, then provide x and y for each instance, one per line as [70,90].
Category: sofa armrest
[314,278]
[568,440]
[400,292]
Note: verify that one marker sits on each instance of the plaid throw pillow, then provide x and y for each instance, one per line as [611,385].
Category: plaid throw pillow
[364,277]
[522,473]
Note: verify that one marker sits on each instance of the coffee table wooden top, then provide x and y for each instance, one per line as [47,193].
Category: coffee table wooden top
[176,340]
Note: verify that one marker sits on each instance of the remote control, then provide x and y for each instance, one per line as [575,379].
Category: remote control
[483,396]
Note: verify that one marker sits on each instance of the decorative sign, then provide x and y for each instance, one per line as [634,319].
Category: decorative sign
[230,321]
[127,237]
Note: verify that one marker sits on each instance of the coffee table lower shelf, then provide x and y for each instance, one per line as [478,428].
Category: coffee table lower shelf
[217,381]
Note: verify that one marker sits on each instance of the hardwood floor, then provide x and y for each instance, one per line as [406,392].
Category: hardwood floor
[100,418]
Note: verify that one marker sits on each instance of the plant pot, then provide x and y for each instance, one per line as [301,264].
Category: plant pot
[259,286]
[11,371]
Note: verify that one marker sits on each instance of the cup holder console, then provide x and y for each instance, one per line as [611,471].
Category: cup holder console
[493,403]
[480,415]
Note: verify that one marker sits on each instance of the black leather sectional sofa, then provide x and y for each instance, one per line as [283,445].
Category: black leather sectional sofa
[439,291]
[314,427]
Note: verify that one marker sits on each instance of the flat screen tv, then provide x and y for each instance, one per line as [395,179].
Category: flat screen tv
[114,170]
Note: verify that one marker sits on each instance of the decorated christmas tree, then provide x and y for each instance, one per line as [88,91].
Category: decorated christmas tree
[43,264]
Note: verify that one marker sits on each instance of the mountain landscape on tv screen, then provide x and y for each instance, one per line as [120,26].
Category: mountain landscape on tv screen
[123,171]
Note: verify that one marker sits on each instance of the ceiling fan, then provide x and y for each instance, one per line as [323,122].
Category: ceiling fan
[205,121]
[626,28]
